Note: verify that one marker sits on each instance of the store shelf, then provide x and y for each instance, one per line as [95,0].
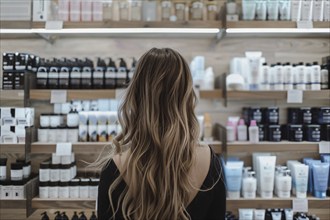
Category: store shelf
[275,95]
[283,146]
[272,24]
[93,147]
[38,203]
[13,209]
[12,148]
[11,95]
[211,94]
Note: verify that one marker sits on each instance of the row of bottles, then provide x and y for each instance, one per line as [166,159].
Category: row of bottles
[64,216]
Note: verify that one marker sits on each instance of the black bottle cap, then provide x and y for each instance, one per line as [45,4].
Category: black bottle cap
[44,216]
[74,182]
[82,216]
[301,63]
[122,63]
[44,184]
[315,63]
[134,62]
[308,64]
[64,216]
[52,183]
[112,63]
[54,166]
[93,216]
[279,63]
[75,216]
[264,64]
[65,166]
[16,166]
[3,161]
[63,184]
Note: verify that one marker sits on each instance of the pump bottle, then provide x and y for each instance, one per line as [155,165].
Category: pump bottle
[241,131]
[249,186]
[253,132]
[44,216]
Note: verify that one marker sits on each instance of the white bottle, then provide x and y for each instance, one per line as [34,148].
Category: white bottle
[306,10]
[278,170]
[72,119]
[253,132]
[265,74]
[230,131]
[318,10]
[272,72]
[308,73]
[324,77]
[279,79]
[326,11]
[300,76]
[249,186]
[288,76]
[208,79]
[244,175]
[241,131]
[316,77]
[284,184]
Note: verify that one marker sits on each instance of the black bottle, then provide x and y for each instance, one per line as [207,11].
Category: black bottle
[64,216]
[98,74]
[82,216]
[75,77]
[42,75]
[86,77]
[121,81]
[58,216]
[75,216]
[53,77]
[44,216]
[110,75]
[64,78]
[93,216]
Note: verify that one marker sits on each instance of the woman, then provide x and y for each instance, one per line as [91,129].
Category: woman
[159,170]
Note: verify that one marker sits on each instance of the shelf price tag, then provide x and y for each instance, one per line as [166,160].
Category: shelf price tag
[304,24]
[295,96]
[324,147]
[300,205]
[58,96]
[63,149]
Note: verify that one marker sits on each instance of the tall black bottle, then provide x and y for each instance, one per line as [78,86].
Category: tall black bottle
[98,74]
[110,75]
[86,74]
[121,79]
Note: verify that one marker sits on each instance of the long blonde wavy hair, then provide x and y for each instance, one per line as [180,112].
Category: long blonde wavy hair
[160,130]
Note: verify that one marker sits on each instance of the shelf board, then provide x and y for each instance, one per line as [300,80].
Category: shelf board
[283,146]
[11,95]
[45,94]
[93,147]
[12,148]
[272,24]
[38,203]
[211,94]
[260,203]
[275,95]
[13,209]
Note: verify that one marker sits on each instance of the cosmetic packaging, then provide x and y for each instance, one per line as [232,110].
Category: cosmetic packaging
[300,76]
[63,190]
[72,134]
[272,10]
[149,10]
[309,162]
[241,131]
[300,179]
[45,120]
[253,113]
[74,189]
[51,132]
[248,9]
[93,188]
[306,10]
[136,10]
[65,173]
[256,167]
[325,158]
[196,10]
[290,164]
[98,77]
[26,168]
[274,133]
[84,188]
[321,115]
[253,132]
[53,78]
[6,190]
[180,11]
[308,72]
[18,190]
[44,172]
[121,79]
[326,11]
[212,12]
[261,10]
[86,78]
[278,172]
[288,214]
[233,176]
[321,177]
[270,115]
[249,186]
[312,133]
[166,10]
[295,133]
[255,61]
[55,120]
[288,76]
[42,78]
[64,78]
[305,115]
[278,77]
[276,215]
[97,10]
[61,134]
[16,171]
[266,169]
[285,10]
[72,118]
[265,75]
[207,128]
[54,172]
[53,190]
[315,77]
[245,214]
[230,132]
[284,184]
[75,78]
[262,132]
[208,80]
[43,190]
[259,214]
[325,132]
[318,8]
[3,168]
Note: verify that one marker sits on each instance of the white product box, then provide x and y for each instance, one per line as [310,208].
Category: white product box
[18,192]
[8,135]
[41,10]
[20,134]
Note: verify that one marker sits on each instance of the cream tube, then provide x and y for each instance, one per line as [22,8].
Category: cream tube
[245,214]
[300,179]
[259,214]
[306,10]
[288,214]
[266,168]
[296,10]
[290,164]
[276,215]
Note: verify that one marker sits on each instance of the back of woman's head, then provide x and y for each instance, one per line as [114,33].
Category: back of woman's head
[160,130]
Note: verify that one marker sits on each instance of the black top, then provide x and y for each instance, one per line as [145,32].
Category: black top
[208,205]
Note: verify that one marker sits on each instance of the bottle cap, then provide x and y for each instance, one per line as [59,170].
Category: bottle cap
[233,194]
[253,123]
[230,123]
[241,122]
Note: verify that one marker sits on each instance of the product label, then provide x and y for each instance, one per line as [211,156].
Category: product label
[63,192]
[307,117]
[54,175]
[16,174]
[298,135]
[74,192]
[65,175]
[44,175]
[53,75]
[316,135]
[43,192]
[83,192]
[53,192]
[42,75]
[257,115]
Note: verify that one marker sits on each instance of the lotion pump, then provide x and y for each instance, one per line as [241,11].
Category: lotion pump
[44,216]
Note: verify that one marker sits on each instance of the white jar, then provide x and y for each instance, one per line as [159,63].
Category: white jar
[3,168]
[27,169]
[43,190]
[65,173]
[54,172]
[55,120]
[45,120]
[43,134]
[16,172]
[61,134]
[72,119]
[53,190]
[63,190]
[74,189]
[44,172]
[72,134]
[93,188]
[52,135]
[84,188]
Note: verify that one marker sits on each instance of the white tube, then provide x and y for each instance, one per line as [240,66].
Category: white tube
[288,214]
[318,10]
[259,214]
[276,215]
[300,179]
[266,168]
[306,10]
[245,214]
[296,10]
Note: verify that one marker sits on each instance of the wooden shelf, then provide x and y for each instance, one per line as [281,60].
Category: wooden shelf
[12,148]
[38,203]
[283,146]
[93,147]
[11,95]
[41,94]
[13,209]
[275,95]
[211,94]
[272,24]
